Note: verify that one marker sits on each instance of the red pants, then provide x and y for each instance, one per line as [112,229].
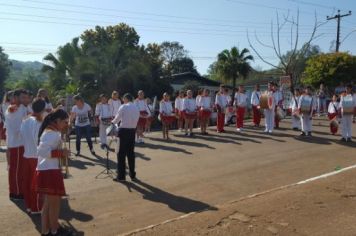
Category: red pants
[31,197]
[276,120]
[256,115]
[16,171]
[333,129]
[220,122]
[240,114]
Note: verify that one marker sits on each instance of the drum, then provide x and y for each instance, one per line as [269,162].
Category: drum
[306,105]
[190,115]
[266,101]
[112,130]
[348,105]
[106,121]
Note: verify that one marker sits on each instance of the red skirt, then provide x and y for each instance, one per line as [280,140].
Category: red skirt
[167,119]
[142,120]
[50,182]
[190,115]
[2,131]
[205,114]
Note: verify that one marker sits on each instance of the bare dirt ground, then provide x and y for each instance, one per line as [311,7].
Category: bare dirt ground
[207,172]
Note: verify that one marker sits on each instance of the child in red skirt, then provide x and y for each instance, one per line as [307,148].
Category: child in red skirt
[205,110]
[29,131]
[166,115]
[333,114]
[49,178]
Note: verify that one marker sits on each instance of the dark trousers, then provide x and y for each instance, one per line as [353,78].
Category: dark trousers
[86,131]
[127,148]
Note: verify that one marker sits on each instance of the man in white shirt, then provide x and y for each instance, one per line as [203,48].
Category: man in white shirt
[240,104]
[14,116]
[255,102]
[128,116]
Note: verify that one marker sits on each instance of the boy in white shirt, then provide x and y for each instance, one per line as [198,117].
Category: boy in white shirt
[240,103]
[347,107]
[221,102]
[306,100]
[255,102]
[104,115]
[294,110]
[29,132]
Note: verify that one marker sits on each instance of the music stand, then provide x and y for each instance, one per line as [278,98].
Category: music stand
[107,171]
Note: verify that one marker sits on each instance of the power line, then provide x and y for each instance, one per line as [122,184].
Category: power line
[338,17]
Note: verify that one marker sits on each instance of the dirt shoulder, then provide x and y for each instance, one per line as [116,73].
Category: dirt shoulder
[323,207]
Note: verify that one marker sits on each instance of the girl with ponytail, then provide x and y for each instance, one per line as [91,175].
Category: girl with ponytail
[49,179]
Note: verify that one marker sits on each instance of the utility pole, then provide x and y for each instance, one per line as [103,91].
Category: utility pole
[338,17]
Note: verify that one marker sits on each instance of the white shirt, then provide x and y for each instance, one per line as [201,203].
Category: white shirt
[103,110]
[222,100]
[255,98]
[142,106]
[197,100]
[165,107]
[189,105]
[333,106]
[178,103]
[48,106]
[205,103]
[342,98]
[81,115]
[128,114]
[13,122]
[302,97]
[29,132]
[240,99]
[115,104]
[294,103]
[278,97]
[49,141]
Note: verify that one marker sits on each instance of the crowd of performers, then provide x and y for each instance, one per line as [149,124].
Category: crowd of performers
[33,130]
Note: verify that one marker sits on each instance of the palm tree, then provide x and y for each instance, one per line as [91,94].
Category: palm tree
[233,64]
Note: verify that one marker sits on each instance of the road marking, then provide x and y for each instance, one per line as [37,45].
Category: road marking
[323,176]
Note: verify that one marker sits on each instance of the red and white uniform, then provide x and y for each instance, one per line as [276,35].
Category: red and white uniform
[294,110]
[49,178]
[240,103]
[13,119]
[166,112]
[221,103]
[255,102]
[178,107]
[115,105]
[144,112]
[333,114]
[189,108]
[105,113]
[205,106]
[29,131]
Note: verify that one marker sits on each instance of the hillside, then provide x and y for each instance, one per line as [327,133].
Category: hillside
[21,70]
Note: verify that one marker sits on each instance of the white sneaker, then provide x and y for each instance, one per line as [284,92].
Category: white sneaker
[270,131]
[266,131]
[238,130]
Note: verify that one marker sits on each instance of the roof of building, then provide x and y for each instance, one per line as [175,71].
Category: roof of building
[182,78]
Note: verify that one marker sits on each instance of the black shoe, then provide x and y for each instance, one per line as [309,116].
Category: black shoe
[77,154]
[14,197]
[186,134]
[191,135]
[349,140]
[295,129]
[102,146]
[92,152]
[309,134]
[119,180]
[302,134]
[133,178]
[61,231]
[343,140]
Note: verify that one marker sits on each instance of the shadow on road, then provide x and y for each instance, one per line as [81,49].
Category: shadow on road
[176,203]
[164,148]
[186,143]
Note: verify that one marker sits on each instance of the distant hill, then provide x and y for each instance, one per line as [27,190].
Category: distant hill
[21,70]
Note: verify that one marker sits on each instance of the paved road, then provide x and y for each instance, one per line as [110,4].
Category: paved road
[184,175]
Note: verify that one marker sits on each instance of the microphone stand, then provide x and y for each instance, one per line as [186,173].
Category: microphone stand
[107,171]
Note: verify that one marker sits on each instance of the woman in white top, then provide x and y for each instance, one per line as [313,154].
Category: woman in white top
[43,94]
[141,104]
[104,116]
[178,107]
[190,112]
[240,103]
[166,114]
[115,103]
[49,178]
[80,114]
[205,107]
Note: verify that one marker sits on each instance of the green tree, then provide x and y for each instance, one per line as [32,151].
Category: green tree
[4,70]
[331,69]
[232,64]
[181,65]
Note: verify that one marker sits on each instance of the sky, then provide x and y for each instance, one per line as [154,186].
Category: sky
[30,29]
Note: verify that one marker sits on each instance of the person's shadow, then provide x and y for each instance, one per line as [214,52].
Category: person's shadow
[176,203]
